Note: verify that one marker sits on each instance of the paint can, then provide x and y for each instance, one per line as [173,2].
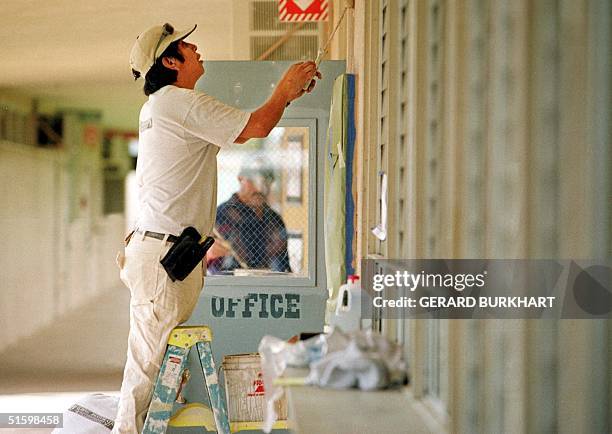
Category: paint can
[244,389]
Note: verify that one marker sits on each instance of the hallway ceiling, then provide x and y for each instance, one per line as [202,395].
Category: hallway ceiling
[66,42]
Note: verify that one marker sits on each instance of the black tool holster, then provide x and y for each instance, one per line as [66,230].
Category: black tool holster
[185,254]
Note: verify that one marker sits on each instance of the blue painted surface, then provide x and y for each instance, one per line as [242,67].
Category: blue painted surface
[247,85]
[242,335]
[350,151]
[238,334]
[166,388]
[167,384]
[217,399]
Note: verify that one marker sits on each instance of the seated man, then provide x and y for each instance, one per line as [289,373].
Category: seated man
[250,234]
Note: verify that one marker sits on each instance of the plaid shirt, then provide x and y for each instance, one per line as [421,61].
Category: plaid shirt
[260,242]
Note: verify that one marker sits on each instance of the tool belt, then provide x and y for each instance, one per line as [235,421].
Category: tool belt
[185,254]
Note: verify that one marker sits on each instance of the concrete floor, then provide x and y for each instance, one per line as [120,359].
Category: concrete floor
[81,353]
[89,341]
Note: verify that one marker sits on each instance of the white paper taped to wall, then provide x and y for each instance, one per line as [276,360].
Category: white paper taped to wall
[380,231]
[340,155]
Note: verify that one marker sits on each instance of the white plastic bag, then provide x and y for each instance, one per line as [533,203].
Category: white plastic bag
[363,359]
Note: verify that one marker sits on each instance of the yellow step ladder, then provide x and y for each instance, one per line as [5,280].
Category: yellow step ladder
[181,340]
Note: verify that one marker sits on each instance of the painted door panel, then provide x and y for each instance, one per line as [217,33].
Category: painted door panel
[240,310]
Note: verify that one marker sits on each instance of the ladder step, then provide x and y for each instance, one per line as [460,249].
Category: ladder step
[166,388]
[181,340]
[194,414]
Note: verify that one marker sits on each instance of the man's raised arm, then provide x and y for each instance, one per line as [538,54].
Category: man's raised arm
[290,87]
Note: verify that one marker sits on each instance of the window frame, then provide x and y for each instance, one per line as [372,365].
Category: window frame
[310,280]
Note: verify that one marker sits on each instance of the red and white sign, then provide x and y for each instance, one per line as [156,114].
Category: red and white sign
[258,386]
[303,10]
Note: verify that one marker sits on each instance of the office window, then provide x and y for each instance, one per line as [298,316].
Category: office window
[262,222]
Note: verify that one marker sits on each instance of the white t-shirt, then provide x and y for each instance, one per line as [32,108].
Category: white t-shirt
[181,131]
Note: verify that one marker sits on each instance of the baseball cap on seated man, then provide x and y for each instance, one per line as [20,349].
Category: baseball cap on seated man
[151,43]
[257,165]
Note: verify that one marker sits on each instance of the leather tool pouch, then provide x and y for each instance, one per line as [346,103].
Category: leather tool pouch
[185,254]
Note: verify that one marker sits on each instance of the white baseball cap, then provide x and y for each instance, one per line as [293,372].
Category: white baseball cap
[151,43]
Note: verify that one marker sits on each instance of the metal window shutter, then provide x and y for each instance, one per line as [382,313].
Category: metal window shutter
[265,29]
[433,145]
[383,111]
[401,160]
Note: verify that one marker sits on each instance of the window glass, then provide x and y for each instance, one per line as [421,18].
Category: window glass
[262,213]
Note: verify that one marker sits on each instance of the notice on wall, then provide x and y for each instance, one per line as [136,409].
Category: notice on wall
[257,305]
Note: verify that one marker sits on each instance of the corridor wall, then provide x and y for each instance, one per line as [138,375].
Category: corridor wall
[58,247]
[491,119]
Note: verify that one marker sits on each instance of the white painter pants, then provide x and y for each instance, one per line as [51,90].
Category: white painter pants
[157,305]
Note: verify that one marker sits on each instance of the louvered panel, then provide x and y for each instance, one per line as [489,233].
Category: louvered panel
[433,145]
[384,96]
[492,408]
[436,368]
[383,105]
[401,161]
[470,377]
[265,29]
[506,146]
[505,345]
[473,202]
[299,47]
[545,136]
[475,129]
[543,204]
